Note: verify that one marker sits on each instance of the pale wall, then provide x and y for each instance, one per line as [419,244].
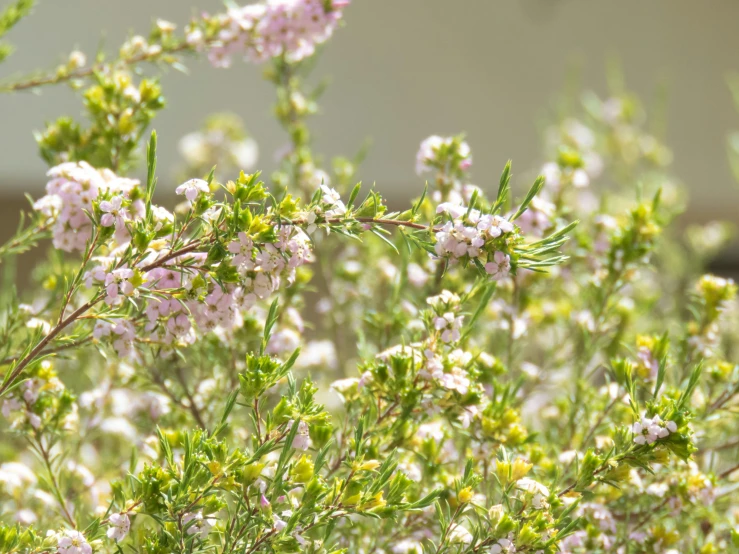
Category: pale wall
[403,69]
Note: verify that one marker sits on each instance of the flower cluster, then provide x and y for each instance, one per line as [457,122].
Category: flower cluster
[470,235]
[40,399]
[451,159]
[577,158]
[437,152]
[71,192]
[223,140]
[290,28]
[648,430]
[329,206]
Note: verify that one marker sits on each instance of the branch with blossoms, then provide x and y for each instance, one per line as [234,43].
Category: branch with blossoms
[256,32]
[226,254]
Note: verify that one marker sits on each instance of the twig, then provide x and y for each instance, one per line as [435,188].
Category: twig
[728,472]
[194,410]
[54,350]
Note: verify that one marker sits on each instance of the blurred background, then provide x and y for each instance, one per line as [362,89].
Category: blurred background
[401,70]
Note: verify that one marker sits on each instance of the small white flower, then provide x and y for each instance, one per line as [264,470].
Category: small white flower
[641,433]
[242,248]
[302,438]
[37,323]
[580,178]
[503,546]
[279,524]
[649,430]
[192,188]
[77,59]
[407,546]
[449,326]
[120,524]
[165,26]
[73,542]
[499,267]
[117,283]
[113,214]
[196,524]
[457,533]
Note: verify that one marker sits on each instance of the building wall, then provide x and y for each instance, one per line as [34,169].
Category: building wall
[403,69]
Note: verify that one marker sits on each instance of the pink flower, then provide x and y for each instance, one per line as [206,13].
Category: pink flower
[196,524]
[242,248]
[302,439]
[179,325]
[113,214]
[272,29]
[120,524]
[499,267]
[117,283]
[71,190]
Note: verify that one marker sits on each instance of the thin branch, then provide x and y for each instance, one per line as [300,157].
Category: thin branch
[81,73]
[28,358]
[190,400]
[54,350]
[728,472]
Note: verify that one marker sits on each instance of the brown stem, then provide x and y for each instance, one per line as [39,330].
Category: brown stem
[18,369]
[192,405]
[573,485]
[603,415]
[728,472]
[48,351]
[378,221]
[61,325]
[90,70]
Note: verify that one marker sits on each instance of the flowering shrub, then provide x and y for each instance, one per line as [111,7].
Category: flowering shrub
[284,364]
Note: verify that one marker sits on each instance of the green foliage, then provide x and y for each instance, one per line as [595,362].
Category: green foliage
[9,18]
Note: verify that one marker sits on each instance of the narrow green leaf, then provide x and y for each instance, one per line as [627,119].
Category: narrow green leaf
[533,191]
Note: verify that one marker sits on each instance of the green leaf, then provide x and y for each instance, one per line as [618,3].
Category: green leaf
[660,375]
[151,167]
[504,187]
[533,191]
[384,239]
[692,383]
[353,195]
[269,324]
[417,205]
[9,17]
[487,294]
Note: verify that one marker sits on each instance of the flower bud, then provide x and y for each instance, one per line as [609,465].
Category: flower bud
[465,495]
[496,513]
[251,473]
[519,469]
[302,472]
[369,465]
[503,470]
